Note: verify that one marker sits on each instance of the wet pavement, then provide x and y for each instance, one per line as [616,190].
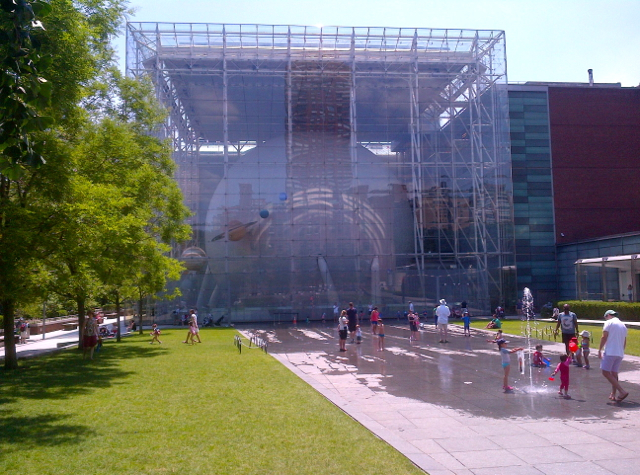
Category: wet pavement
[442,405]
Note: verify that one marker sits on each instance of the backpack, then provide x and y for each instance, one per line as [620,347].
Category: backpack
[23,327]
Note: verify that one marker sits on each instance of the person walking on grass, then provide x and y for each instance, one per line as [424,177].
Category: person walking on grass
[194,331]
[155,334]
[505,353]
[614,342]
[89,335]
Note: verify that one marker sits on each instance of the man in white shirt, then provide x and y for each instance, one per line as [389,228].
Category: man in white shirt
[443,312]
[614,342]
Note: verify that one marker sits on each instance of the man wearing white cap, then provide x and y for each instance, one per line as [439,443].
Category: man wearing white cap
[443,312]
[614,341]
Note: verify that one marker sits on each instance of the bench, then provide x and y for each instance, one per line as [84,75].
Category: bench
[16,339]
[69,326]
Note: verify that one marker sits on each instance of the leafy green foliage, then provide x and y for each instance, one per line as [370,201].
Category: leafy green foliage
[87,200]
[594,309]
[24,93]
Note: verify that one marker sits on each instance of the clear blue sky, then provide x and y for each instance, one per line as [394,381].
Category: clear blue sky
[547,40]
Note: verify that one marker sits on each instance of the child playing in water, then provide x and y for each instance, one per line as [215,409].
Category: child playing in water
[466,318]
[497,337]
[539,361]
[585,349]
[155,333]
[563,369]
[380,335]
[574,347]
[506,362]
[358,334]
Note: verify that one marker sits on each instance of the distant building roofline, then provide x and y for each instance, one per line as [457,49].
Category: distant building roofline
[567,84]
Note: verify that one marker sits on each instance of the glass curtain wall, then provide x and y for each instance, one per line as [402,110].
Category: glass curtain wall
[328,165]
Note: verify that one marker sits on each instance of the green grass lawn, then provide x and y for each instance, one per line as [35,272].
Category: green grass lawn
[516,327]
[175,408]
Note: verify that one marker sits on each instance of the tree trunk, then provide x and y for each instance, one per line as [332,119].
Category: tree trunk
[81,314]
[140,315]
[118,316]
[10,355]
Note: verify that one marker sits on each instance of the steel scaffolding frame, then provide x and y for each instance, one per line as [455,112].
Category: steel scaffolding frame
[461,134]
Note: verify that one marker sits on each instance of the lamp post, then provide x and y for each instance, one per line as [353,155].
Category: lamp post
[44,317]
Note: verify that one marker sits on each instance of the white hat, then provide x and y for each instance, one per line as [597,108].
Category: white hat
[443,302]
[585,333]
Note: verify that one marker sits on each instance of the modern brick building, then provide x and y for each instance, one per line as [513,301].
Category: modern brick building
[576,165]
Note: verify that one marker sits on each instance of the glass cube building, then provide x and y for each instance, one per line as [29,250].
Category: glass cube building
[334,164]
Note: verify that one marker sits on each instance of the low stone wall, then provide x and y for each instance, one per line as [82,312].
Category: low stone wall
[52,324]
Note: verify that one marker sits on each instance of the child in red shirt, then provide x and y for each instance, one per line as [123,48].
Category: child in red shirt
[563,369]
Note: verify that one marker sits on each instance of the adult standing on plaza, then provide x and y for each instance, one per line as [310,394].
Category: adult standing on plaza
[352,315]
[343,328]
[614,342]
[568,321]
[442,314]
[413,326]
[375,315]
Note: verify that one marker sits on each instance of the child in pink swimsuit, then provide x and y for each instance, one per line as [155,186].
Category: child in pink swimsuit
[563,369]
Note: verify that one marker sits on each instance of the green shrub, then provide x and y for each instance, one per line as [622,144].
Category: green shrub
[594,309]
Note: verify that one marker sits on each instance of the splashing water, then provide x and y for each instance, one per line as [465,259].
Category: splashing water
[527,304]
[529,321]
[528,313]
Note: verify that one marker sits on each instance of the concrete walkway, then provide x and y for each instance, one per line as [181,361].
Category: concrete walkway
[442,405]
[55,340]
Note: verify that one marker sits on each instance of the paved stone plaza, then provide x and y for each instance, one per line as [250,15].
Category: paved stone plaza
[442,405]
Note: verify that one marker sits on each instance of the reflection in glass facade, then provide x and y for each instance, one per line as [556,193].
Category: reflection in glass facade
[532,190]
[327,165]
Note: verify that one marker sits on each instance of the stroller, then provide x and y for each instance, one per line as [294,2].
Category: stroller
[210,322]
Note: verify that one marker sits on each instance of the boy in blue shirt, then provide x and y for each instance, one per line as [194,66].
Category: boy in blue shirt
[466,318]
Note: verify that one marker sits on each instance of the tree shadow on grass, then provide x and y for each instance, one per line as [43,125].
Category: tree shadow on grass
[31,432]
[65,374]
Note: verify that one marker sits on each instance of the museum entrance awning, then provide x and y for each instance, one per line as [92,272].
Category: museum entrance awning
[608,278]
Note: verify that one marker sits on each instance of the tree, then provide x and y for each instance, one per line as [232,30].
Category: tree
[46,48]
[24,93]
[124,208]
